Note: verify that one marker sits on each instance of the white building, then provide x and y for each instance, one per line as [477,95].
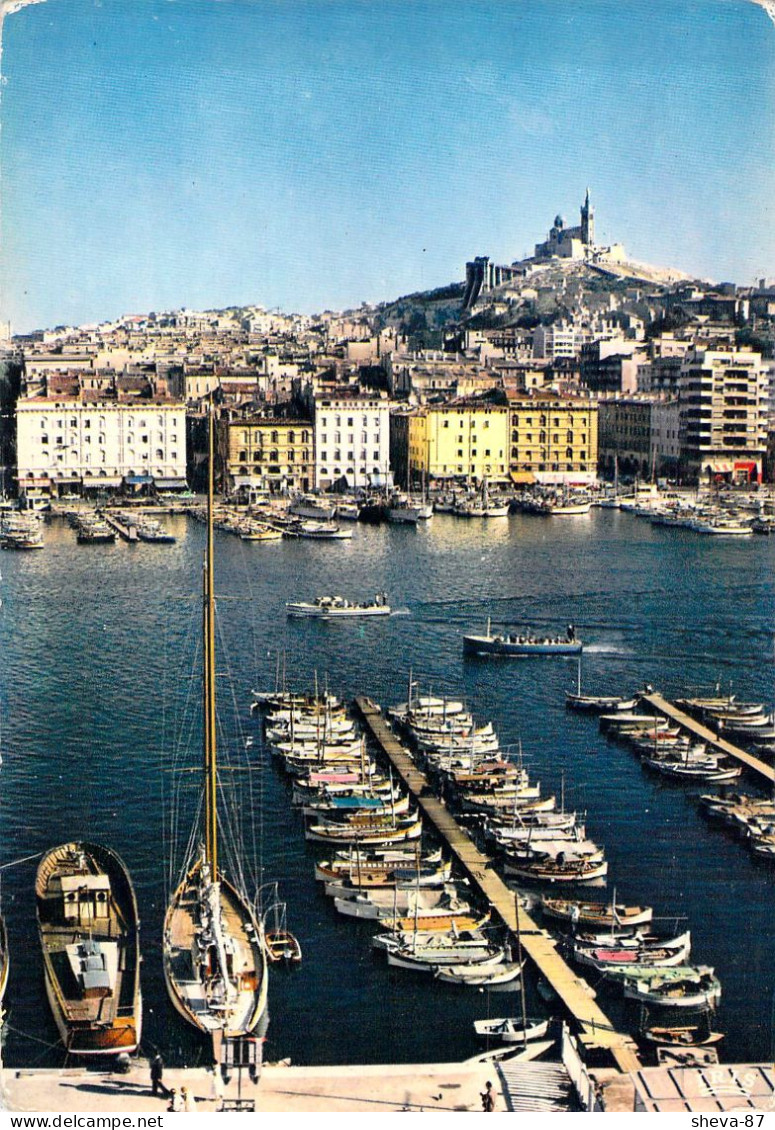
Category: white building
[70,445]
[352,439]
[551,342]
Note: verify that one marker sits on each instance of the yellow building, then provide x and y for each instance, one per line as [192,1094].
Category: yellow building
[265,453]
[552,440]
[463,439]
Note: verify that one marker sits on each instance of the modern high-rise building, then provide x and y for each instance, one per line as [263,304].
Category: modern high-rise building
[723,405]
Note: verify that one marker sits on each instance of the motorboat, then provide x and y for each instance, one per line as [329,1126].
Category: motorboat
[338,608]
[521,644]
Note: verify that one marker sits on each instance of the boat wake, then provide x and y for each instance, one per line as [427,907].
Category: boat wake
[401,612]
[607,649]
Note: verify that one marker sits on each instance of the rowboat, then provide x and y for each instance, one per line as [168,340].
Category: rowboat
[680,987]
[363,833]
[663,954]
[430,958]
[511,1029]
[688,1035]
[506,976]
[598,704]
[596,914]
[582,870]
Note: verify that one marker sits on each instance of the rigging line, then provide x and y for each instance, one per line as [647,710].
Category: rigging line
[232,798]
[27,1036]
[255,861]
[25,859]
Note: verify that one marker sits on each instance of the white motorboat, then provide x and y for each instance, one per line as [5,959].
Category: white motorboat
[338,608]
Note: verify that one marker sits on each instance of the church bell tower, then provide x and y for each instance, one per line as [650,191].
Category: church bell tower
[587,222]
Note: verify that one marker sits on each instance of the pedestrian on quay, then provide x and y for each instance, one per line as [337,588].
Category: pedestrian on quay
[188,1102]
[216,1088]
[175,1105]
[157,1076]
[488,1098]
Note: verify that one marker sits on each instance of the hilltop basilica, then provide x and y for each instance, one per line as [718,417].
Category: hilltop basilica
[562,243]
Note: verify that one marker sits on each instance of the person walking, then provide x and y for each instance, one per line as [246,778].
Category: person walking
[175,1105]
[157,1077]
[488,1098]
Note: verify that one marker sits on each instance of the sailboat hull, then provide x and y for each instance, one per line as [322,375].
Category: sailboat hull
[186,963]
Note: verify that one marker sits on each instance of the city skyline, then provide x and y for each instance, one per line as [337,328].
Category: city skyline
[314,156]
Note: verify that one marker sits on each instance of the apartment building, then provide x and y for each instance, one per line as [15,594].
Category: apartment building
[462,439]
[552,439]
[267,453]
[65,446]
[723,406]
[351,438]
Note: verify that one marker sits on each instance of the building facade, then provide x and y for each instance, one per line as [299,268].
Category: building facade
[553,440]
[352,439]
[263,453]
[68,446]
[723,404]
[463,440]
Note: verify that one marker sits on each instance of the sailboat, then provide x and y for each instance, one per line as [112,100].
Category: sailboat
[215,963]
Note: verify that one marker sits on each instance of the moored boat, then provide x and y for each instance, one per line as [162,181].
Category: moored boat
[90,936]
[214,956]
[596,914]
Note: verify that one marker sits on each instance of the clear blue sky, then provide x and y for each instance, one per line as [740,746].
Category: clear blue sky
[313,154]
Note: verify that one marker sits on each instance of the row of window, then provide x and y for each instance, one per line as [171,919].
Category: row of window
[337,471]
[570,437]
[516,454]
[350,437]
[274,437]
[273,455]
[74,421]
[350,457]
[71,440]
[85,458]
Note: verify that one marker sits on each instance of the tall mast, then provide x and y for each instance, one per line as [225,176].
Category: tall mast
[211,819]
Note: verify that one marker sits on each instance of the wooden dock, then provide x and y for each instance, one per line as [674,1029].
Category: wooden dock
[594,1027]
[765,773]
[127,532]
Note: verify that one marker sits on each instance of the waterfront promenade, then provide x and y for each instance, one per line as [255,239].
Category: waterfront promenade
[442,1087]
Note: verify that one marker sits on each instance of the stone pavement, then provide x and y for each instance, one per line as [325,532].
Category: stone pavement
[403,1087]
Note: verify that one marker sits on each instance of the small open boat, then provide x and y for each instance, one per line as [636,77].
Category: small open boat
[505,976]
[685,986]
[596,914]
[279,942]
[90,937]
[688,1035]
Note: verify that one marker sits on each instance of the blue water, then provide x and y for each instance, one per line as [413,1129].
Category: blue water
[98,678]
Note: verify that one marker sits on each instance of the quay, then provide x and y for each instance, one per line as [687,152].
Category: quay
[442,1087]
[661,705]
[595,1030]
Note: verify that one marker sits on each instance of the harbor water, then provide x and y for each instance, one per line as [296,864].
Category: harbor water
[98,664]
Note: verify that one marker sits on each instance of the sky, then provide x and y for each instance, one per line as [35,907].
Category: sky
[316,154]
